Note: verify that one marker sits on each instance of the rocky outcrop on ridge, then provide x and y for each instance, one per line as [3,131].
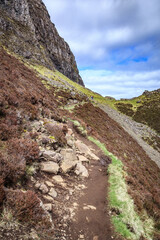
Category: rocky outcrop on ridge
[26,29]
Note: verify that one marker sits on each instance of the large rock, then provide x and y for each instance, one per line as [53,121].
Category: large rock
[49,155]
[81,170]
[69,160]
[50,167]
[83,148]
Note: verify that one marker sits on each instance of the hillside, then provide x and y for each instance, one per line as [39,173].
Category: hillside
[35,125]
[71,168]
[144,109]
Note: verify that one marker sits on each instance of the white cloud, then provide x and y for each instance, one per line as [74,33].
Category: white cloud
[121,36]
[121,84]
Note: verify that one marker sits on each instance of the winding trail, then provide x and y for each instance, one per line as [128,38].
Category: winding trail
[92,221]
[134,129]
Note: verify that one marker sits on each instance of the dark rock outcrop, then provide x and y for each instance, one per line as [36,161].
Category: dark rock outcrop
[26,29]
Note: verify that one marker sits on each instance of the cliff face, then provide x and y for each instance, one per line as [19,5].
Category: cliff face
[26,29]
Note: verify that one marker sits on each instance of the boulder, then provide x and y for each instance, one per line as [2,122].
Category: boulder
[50,167]
[69,160]
[86,150]
[81,170]
[49,155]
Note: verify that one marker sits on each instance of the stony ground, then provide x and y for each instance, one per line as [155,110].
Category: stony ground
[138,131]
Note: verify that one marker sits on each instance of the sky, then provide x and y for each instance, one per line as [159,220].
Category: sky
[116,43]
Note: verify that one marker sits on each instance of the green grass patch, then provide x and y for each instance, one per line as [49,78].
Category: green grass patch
[124,217]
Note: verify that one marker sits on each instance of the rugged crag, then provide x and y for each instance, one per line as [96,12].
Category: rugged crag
[26,29]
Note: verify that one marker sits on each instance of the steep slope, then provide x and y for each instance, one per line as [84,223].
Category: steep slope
[144,109]
[38,118]
[26,29]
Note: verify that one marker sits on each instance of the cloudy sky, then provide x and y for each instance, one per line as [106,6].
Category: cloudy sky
[116,42]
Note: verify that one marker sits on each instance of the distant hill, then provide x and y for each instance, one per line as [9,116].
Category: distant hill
[145,109]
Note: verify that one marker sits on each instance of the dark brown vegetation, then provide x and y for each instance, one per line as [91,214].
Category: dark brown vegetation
[26,207]
[23,98]
[148,112]
[125,108]
[143,174]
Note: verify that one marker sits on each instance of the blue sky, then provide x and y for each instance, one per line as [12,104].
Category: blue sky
[116,43]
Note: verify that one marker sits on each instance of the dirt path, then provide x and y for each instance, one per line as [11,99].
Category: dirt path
[136,130]
[91,219]
[89,214]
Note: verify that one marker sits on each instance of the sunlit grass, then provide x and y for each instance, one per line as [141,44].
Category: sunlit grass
[124,217]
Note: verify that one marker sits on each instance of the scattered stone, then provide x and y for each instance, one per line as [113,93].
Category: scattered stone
[58,179]
[50,167]
[32,179]
[70,132]
[81,186]
[49,184]
[53,193]
[81,236]
[71,191]
[75,204]
[95,238]
[48,207]
[87,219]
[33,235]
[43,188]
[48,198]
[89,207]
[81,170]
[93,156]
[67,197]
[37,185]
[83,158]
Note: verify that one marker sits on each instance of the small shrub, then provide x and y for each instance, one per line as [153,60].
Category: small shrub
[58,132]
[6,131]
[24,149]
[13,159]
[26,207]
[2,194]
[125,108]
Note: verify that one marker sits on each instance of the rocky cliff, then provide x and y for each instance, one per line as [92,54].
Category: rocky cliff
[26,29]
